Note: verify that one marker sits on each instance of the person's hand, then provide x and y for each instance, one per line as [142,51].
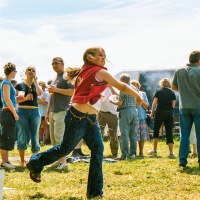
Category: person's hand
[47,118]
[151,115]
[29,97]
[139,100]
[16,117]
[52,89]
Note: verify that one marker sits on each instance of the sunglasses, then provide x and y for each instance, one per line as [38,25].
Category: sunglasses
[56,63]
[31,70]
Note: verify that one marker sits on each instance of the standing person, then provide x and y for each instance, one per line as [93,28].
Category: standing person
[108,116]
[142,128]
[127,121]
[163,104]
[43,105]
[61,91]
[29,115]
[81,122]
[9,115]
[1,104]
[186,81]
[193,142]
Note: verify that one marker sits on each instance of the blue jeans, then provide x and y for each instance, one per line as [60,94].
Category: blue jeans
[128,129]
[29,123]
[187,117]
[77,126]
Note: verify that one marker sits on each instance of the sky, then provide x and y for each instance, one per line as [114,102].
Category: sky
[136,34]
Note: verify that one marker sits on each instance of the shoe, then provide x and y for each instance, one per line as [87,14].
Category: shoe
[152,152]
[7,165]
[55,164]
[81,153]
[171,155]
[182,165]
[61,166]
[194,155]
[133,156]
[75,153]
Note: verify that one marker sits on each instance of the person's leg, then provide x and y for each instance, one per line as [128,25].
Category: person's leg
[22,133]
[74,132]
[186,121]
[158,120]
[133,131]
[94,141]
[197,128]
[124,137]
[34,125]
[112,121]
[169,124]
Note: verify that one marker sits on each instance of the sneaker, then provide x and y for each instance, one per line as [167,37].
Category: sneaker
[171,155]
[152,152]
[7,165]
[55,164]
[62,166]
[133,156]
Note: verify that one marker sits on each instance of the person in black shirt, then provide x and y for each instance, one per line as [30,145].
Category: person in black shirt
[163,104]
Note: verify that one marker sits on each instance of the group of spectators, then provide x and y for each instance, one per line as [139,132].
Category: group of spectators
[37,106]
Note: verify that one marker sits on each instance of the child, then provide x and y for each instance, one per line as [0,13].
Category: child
[81,121]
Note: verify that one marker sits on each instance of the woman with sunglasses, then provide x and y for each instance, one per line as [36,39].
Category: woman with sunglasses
[29,115]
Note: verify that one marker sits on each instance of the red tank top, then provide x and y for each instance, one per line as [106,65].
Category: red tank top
[87,87]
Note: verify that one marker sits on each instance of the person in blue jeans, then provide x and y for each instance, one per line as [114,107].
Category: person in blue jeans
[186,81]
[81,119]
[127,121]
[29,115]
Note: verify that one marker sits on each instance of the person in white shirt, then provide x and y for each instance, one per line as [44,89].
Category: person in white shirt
[108,116]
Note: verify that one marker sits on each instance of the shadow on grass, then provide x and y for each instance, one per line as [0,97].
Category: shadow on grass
[190,170]
[53,169]
[39,195]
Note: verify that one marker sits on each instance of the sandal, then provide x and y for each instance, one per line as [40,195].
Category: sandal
[36,177]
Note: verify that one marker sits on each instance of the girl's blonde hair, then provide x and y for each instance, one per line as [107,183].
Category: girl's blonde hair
[91,52]
[136,83]
[71,73]
[165,83]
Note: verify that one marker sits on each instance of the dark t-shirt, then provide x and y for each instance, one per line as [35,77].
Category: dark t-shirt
[23,87]
[165,97]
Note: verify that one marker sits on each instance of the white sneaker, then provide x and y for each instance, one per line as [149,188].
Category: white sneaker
[7,165]
[133,156]
[55,164]
[62,166]
[152,152]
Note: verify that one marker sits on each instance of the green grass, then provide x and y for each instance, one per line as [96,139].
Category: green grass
[150,178]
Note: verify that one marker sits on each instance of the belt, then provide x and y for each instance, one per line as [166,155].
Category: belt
[104,111]
[6,108]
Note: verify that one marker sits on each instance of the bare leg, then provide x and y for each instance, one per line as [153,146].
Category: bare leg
[141,146]
[22,160]
[4,156]
[171,145]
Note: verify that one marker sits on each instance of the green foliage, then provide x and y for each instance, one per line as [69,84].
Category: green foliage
[149,178]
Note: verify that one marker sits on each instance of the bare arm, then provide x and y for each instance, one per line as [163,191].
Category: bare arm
[68,92]
[6,93]
[154,104]
[145,105]
[175,88]
[173,103]
[104,75]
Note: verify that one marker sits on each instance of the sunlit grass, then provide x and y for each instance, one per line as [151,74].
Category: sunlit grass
[141,178]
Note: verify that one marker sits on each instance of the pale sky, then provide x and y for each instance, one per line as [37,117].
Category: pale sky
[136,34]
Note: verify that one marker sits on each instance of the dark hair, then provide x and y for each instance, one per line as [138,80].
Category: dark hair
[125,78]
[194,57]
[13,81]
[8,68]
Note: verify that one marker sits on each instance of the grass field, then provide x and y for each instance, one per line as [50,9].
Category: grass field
[145,178]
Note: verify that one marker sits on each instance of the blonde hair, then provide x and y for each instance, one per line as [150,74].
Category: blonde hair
[71,73]
[165,83]
[136,83]
[91,52]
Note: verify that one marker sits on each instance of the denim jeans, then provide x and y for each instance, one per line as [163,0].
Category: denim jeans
[77,126]
[29,123]
[168,119]
[128,129]
[187,117]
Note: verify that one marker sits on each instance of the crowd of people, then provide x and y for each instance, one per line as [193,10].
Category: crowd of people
[79,103]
